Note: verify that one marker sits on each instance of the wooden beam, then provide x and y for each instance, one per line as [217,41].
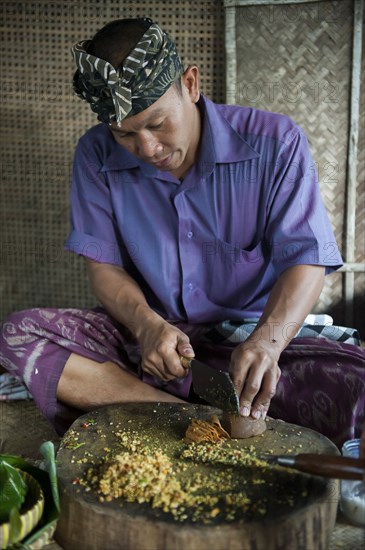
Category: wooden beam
[353,267]
[231,55]
[242,3]
[352,156]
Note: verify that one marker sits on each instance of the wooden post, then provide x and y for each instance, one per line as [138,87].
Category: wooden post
[349,284]
[231,61]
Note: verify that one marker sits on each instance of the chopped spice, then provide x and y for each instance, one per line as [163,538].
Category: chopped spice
[202,430]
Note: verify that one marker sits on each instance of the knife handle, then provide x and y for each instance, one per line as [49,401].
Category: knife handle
[330,466]
[185,361]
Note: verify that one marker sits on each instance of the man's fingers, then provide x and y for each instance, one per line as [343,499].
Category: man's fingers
[256,386]
[154,364]
[185,349]
[262,401]
[166,366]
[248,385]
[239,375]
[161,350]
[160,372]
[239,380]
[151,369]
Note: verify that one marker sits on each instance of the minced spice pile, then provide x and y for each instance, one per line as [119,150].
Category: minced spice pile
[149,477]
[139,477]
[137,472]
[213,481]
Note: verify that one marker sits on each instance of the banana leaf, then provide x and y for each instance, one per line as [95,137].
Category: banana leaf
[13,489]
[47,478]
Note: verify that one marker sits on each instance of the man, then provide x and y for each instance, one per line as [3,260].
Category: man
[188,214]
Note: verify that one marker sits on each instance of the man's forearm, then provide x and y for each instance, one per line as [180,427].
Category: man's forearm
[254,363]
[160,342]
[86,384]
[121,296]
[290,301]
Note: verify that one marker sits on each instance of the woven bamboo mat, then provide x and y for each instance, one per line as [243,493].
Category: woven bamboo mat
[346,536]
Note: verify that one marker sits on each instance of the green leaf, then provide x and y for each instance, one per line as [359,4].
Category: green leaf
[47,478]
[13,489]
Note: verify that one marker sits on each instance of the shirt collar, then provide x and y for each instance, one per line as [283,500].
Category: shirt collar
[227,146]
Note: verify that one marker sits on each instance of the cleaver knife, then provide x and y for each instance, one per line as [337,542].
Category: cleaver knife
[215,386]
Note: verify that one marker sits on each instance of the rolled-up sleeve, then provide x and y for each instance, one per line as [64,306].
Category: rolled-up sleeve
[298,229]
[93,229]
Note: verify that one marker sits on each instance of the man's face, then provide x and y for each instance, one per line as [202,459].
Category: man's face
[167,133]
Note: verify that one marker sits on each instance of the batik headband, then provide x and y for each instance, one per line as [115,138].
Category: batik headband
[145,75]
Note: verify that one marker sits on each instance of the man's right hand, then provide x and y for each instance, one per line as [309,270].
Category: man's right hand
[162,345]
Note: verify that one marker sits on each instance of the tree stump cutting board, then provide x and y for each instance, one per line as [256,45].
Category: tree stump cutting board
[283,510]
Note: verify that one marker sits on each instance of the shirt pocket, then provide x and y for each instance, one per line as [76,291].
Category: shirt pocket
[234,275]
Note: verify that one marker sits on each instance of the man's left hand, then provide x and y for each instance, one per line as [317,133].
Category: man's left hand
[255,373]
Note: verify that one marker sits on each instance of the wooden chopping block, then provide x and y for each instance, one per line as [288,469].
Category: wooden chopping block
[300,510]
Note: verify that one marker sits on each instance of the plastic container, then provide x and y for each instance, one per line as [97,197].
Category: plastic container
[352,500]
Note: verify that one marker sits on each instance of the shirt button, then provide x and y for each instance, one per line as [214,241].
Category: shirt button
[189,234]
[190,286]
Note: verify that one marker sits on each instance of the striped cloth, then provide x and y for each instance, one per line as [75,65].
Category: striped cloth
[314,326]
[11,387]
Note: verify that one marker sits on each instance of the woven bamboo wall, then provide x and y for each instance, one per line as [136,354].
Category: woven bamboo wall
[42,120]
[296,59]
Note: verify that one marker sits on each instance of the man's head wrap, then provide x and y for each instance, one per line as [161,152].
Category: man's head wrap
[144,76]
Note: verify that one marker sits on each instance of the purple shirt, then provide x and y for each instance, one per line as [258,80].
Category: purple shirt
[211,247]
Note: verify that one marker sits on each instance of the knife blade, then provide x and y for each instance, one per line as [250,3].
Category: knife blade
[215,386]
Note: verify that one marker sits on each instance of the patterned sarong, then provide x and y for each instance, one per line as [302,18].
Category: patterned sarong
[322,385]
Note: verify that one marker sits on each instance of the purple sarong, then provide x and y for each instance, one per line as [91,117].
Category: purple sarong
[322,385]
